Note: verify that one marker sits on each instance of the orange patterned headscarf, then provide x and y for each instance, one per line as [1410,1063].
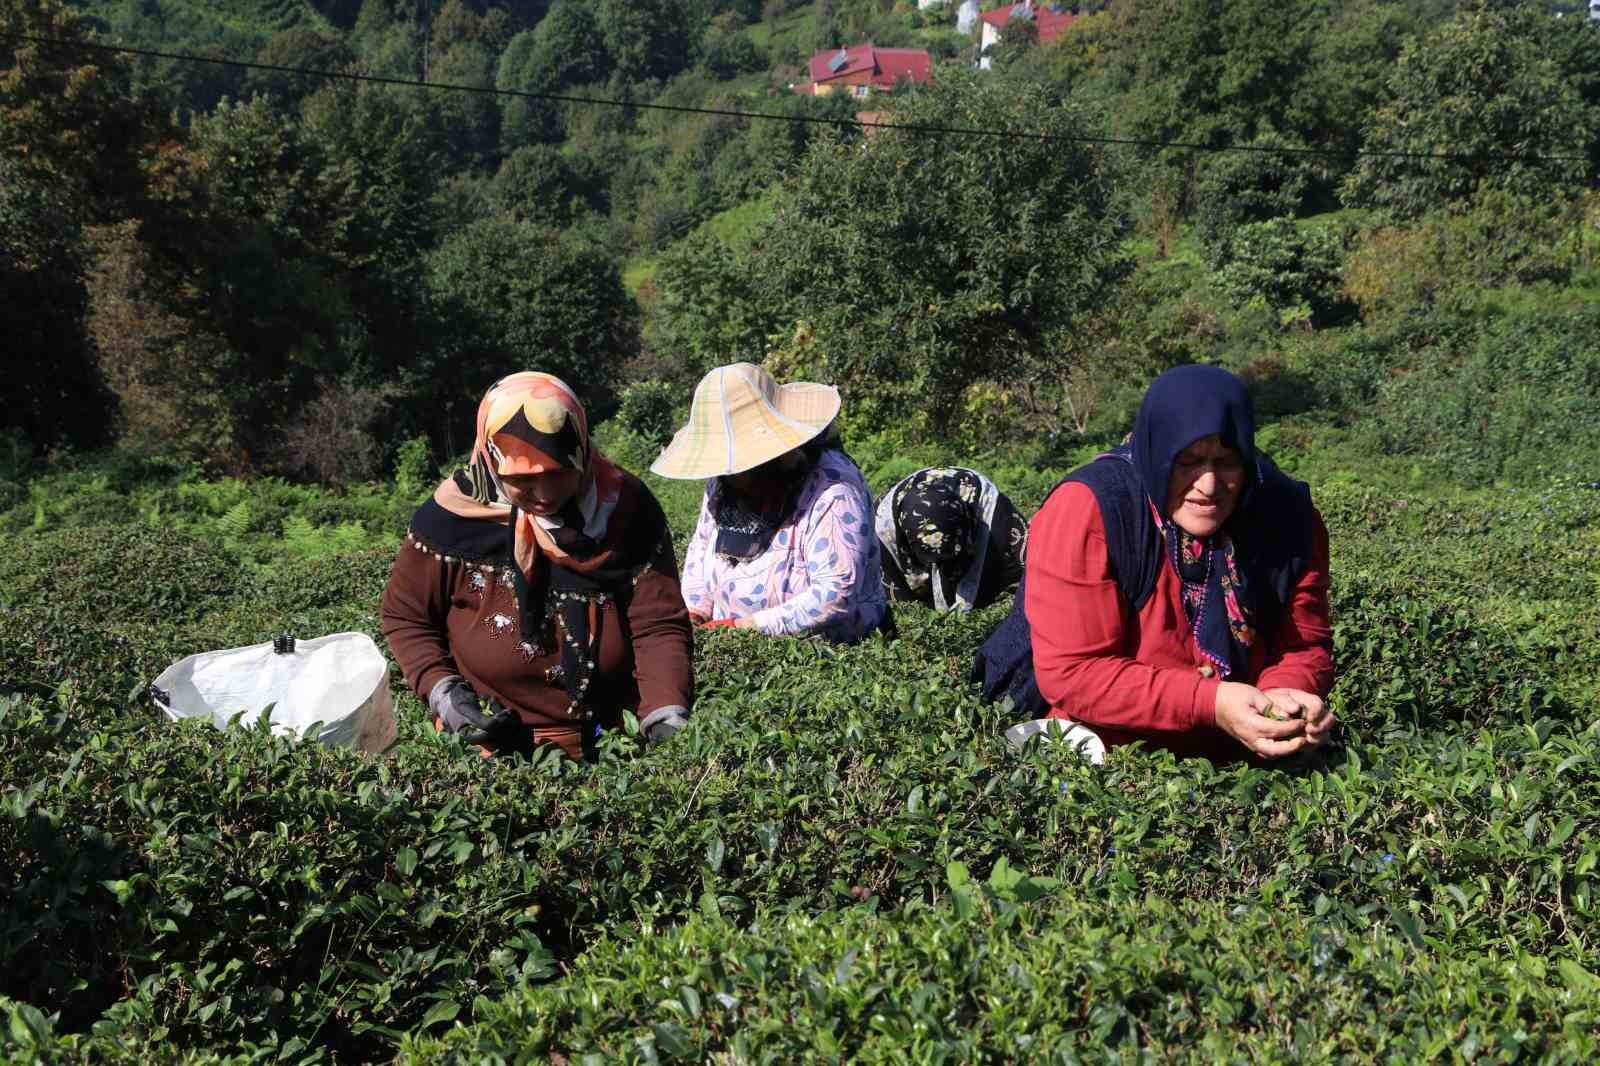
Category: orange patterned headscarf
[530,423]
[533,423]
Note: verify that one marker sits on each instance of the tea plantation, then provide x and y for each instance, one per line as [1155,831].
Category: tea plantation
[840,860]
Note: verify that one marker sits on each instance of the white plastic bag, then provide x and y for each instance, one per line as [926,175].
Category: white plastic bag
[1084,741]
[341,681]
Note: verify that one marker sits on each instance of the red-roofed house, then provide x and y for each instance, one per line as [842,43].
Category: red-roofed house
[863,68]
[1050,20]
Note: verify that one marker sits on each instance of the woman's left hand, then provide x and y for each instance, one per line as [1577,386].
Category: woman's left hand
[1298,703]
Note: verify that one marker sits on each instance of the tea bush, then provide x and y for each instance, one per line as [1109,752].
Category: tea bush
[982,979]
[840,857]
[1513,403]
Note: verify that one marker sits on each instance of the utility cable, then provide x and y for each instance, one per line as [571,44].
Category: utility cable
[856,123]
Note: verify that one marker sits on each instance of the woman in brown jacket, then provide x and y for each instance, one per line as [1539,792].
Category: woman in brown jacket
[541,580]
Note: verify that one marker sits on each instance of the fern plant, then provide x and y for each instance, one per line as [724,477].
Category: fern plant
[235,524]
[300,538]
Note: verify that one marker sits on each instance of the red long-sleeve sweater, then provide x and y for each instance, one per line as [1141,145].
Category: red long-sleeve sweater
[1139,676]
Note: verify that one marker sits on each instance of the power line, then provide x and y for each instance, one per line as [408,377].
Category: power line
[596,101]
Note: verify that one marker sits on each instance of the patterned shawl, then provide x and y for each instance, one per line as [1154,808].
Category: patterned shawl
[531,423]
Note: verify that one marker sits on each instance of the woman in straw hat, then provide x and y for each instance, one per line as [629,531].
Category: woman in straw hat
[541,579]
[784,543]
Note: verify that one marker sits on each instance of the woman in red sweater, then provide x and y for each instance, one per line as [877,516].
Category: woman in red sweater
[1176,588]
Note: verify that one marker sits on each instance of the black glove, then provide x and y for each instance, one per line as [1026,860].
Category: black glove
[503,731]
[455,704]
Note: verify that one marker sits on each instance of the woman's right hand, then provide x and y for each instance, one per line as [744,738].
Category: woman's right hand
[455,704]
[1241,714]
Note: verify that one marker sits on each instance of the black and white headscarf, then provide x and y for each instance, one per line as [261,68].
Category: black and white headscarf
[936,524]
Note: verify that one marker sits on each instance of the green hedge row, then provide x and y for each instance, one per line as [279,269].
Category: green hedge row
[1064,980]
[217,889]
[167,889]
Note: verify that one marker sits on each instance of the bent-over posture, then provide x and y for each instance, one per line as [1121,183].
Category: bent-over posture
[784,543]
[541,578]
[950,539]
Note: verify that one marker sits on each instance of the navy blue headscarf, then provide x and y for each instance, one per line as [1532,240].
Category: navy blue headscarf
[1186,404]
[1236,581]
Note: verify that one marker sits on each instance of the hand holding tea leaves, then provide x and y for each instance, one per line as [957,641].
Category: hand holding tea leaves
[1291,703]
[1244,713]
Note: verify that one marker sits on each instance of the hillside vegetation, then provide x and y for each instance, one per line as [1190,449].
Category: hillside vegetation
[249,317]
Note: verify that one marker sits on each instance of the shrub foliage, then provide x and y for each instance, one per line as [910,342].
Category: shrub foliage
[840,857]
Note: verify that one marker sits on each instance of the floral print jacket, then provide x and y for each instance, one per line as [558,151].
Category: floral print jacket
[820,575]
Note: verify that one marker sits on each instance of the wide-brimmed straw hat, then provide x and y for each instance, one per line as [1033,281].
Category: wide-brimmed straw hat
[742,418]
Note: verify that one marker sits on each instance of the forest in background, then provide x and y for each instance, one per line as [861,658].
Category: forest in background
[247,317]
[261,273]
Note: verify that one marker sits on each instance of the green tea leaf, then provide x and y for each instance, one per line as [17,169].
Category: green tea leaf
[443,1011]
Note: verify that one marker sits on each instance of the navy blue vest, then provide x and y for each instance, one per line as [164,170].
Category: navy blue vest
[1272,536]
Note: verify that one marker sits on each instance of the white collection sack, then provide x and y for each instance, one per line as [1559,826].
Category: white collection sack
[341,680]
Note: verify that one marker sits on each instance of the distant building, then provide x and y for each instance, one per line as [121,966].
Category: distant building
[863,69]
[1051,21]
[967,16]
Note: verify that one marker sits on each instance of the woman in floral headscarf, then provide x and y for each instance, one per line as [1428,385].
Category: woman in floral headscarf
[541,580]
[951,540]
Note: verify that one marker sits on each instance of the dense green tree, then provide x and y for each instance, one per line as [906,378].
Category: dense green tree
[453,23]
[70,142]
[568,46]
[1234,188]
[514,295]
[746,11]
[538,182]
[1350,63]
[52,390]
[1509,93]
[649,39]
[727,55]
[66,114]
[1198,71]
[1292,270]
[763,152]
[524,121]
[379,169]
[299,48]
[566,49]
[236,244]
[918,269]
[276,256]
[199,29]
[825,31]
[342,13]
[470,120]
[388,46]
[709,310]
